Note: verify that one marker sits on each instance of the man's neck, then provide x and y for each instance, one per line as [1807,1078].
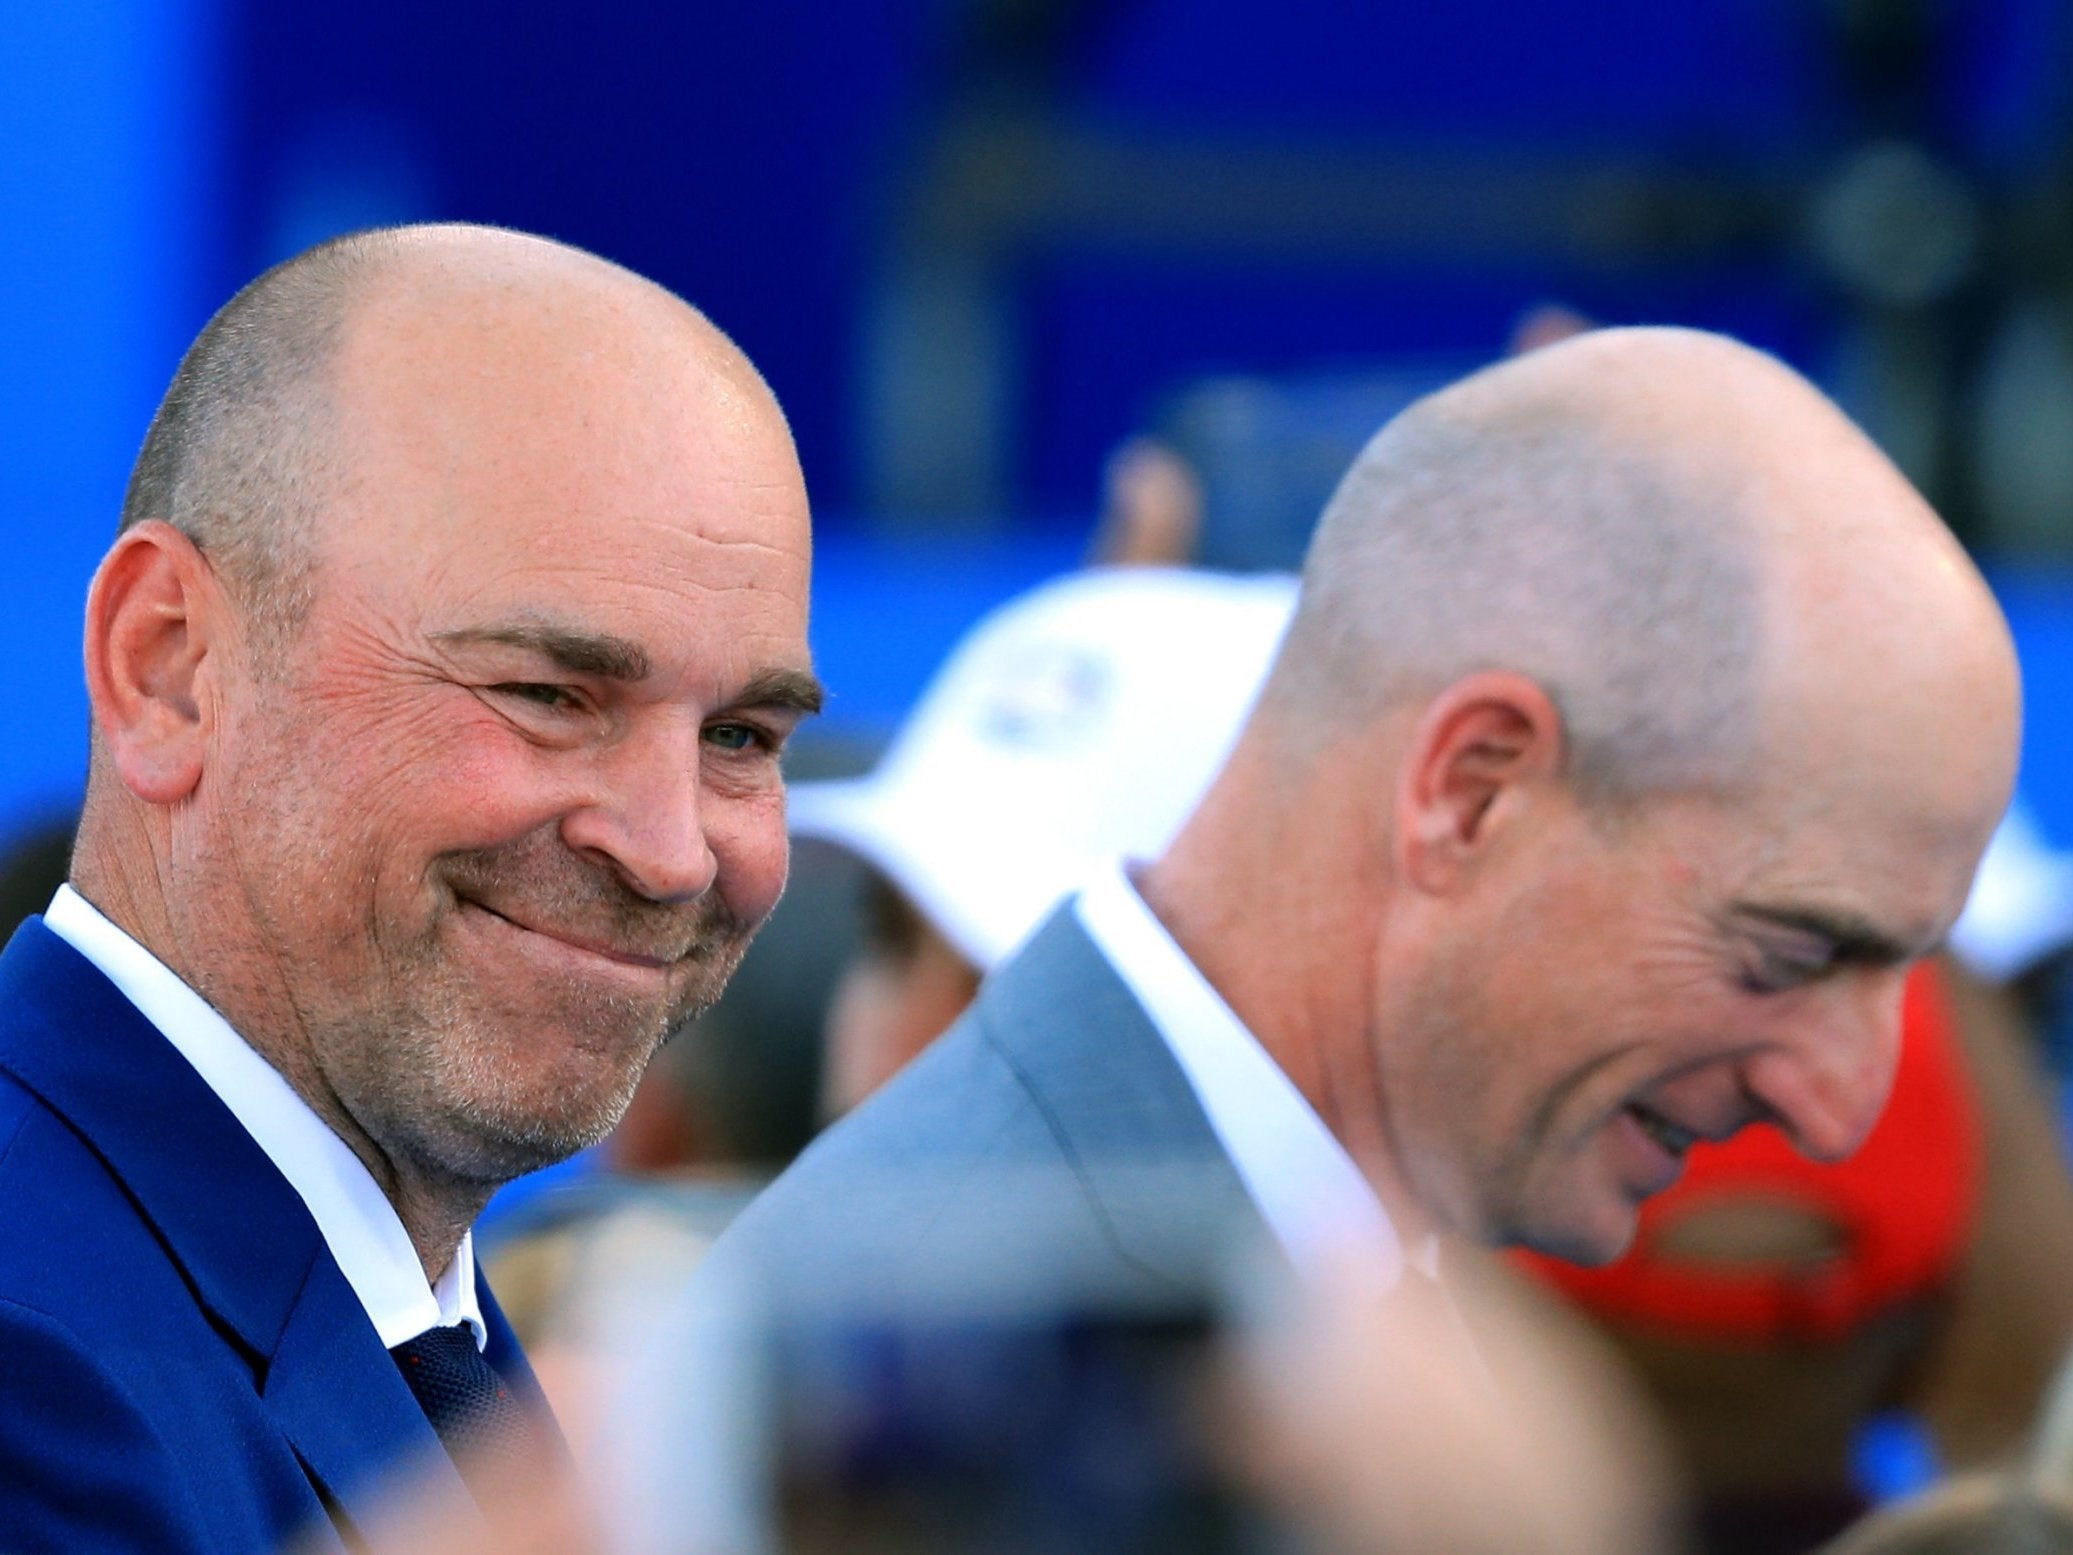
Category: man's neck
[124,886]
[436,1223]
[1299,979]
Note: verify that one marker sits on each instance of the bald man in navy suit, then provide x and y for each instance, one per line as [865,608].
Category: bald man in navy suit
[439,672]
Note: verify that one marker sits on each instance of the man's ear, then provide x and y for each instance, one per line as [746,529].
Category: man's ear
[1474,751]
[148,616]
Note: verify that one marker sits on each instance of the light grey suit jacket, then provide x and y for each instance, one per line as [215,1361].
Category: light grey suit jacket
[1048,1148]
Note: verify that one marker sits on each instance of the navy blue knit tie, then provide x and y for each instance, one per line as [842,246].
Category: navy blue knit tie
[469,1405]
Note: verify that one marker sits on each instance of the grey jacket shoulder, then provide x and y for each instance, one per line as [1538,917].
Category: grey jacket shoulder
[1047,1145]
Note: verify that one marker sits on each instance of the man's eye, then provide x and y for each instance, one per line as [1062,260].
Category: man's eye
[539,693]
[1777,969]
[735,736]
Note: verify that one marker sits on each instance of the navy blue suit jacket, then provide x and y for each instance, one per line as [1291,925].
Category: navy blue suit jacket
[183,1368]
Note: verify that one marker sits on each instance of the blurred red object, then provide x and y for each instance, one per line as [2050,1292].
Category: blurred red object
[1901,1209]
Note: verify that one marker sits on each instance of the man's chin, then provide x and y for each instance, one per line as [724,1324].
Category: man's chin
[1589,1244]
[494,1151]
[493,1137]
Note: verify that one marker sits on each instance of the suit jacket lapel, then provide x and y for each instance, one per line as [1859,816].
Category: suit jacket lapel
[346,1408]
[1118,1103]
[207,1188]
[353,1419]
[226,1216]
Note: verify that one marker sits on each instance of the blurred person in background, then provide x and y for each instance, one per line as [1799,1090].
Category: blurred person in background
[2023,1506]
[1360,1418]
[32,866]
[1986,1512]
[1077,724]
[439,673]
[1569,830]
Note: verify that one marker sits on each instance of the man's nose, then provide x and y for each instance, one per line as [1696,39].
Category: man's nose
[1827,1082]
[645,816]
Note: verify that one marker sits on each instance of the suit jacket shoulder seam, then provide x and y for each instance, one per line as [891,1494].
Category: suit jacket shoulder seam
[1060,1137]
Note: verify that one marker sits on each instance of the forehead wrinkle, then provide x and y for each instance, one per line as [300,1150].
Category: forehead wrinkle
[745,542]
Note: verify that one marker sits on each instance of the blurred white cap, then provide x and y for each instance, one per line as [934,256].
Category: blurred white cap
[1075,724]
[2021,907]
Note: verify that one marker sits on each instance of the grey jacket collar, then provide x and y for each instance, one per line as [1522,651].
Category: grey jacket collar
[1117,1103]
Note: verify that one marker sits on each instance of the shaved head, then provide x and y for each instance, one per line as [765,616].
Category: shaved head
[1588,517]
[1637,725]
[243,452]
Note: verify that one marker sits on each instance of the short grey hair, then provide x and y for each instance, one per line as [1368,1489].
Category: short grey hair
[1523,531]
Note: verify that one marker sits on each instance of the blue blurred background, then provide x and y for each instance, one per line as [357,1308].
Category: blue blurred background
[974,243]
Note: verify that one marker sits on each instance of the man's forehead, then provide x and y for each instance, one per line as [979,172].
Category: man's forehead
[608,496]
[576,423]
[640,560]
[1881,873]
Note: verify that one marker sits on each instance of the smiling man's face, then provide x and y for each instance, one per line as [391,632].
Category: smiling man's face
[507,805]
[1629,984]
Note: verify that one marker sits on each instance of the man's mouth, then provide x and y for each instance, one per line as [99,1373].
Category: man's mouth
[1673,1137]
[623,955]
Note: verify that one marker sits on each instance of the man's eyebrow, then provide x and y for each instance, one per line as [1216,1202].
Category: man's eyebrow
[1856,940]
[792,690]
[580,653]
[614,658]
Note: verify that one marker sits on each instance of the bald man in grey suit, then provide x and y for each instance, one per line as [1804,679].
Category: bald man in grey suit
[1637,727]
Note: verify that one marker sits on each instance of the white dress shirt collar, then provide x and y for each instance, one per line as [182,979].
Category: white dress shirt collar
[1313,1197]
[357,1221]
